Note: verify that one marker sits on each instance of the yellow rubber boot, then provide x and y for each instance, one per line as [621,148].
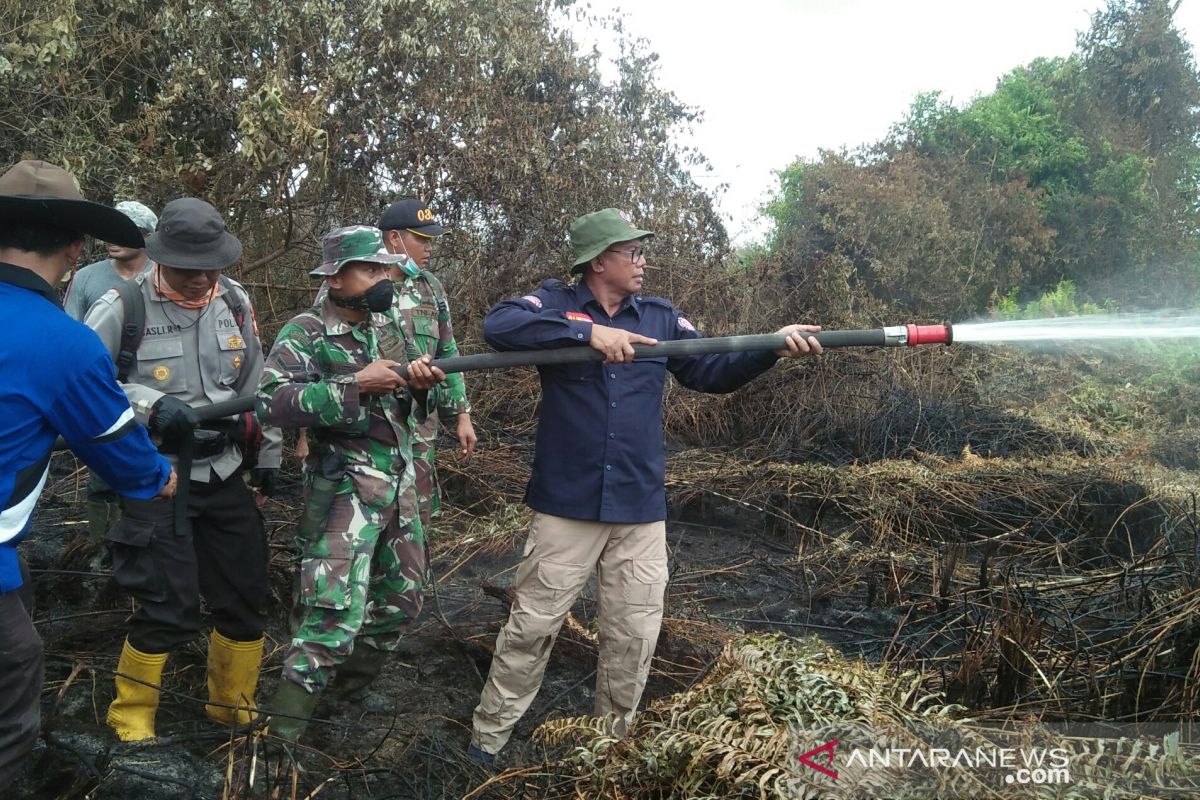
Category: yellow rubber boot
[232,678]
[132,712]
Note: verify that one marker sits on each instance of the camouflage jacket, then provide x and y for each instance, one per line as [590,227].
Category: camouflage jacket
[421,315]
[308,381]
[422,312]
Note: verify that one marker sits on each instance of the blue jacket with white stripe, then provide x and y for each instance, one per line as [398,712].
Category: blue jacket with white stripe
[56,379]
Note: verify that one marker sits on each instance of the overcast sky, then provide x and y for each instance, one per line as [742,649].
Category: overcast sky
[781,79]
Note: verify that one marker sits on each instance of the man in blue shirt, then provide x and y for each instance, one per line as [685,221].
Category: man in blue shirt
[58,382]
[89,284]
[597,487]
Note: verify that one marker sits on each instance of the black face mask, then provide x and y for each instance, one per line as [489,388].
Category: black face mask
[377,299]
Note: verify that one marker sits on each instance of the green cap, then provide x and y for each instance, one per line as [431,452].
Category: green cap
[594,233]
[354,243]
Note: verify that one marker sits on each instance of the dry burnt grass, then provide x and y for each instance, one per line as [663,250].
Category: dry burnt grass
[956,528]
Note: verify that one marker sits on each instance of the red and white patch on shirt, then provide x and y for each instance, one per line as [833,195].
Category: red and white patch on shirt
[684,324]
[578,316]
[533,300]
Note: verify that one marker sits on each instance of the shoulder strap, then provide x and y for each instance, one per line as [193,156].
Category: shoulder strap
[233,300]
[133,308]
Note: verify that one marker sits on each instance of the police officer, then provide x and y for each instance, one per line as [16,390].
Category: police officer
[362,563]
[421,307]
[58,382]
[597,487]
[199,345]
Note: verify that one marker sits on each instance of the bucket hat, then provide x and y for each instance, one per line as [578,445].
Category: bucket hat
[142,216]
[594,233]
[354,243]
[192,235]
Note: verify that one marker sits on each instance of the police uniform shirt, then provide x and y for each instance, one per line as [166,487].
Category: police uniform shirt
[198,355]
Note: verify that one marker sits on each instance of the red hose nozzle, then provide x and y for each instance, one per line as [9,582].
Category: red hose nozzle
[929,334]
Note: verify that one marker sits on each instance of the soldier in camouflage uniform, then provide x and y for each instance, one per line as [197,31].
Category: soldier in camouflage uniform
[362,547]
[423,314]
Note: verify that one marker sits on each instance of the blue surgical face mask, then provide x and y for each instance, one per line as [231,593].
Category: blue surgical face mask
[409,267]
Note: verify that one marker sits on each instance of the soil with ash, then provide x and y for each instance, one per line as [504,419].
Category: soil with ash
[407,738]
[733,569]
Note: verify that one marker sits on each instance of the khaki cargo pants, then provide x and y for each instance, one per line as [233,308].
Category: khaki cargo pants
[560,554]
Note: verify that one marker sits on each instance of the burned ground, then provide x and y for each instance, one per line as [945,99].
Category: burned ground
[1029,579]
[408,737]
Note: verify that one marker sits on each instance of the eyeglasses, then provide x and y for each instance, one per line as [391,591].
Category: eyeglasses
[634,255]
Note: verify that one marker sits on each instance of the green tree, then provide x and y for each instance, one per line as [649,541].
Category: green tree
[1081,168]
[1138,95]
[294,116]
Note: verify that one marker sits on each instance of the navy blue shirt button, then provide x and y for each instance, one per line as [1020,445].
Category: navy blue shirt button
[608,467]
[612,375]
[613,404]
[612,436]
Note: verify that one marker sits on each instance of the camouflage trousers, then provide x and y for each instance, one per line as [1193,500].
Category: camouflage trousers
[424,450]
[429,500]
[361,579]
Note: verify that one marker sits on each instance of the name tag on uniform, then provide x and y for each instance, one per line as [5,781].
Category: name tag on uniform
[578,316]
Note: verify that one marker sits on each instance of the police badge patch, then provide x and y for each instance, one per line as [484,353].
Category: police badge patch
[683,323]
[533,300]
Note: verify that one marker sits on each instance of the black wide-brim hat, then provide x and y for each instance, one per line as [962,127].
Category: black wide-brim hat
[192,235]
[39,193]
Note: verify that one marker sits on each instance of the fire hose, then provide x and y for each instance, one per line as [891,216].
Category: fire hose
[891,336]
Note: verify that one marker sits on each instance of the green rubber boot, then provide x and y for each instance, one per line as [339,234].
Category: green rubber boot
[101,515]
[297,703]
[356,674]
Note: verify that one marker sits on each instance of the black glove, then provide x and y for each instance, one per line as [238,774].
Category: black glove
[266,479]
[173,420]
